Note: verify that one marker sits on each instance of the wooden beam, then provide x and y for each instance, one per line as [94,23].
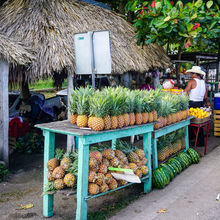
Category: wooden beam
[4,115]
[70,138]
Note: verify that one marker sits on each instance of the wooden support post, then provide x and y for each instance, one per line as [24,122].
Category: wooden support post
[4,112]
[49,139]
[186,138]
[147,151]
[82,180]
[154,153]
[70,138]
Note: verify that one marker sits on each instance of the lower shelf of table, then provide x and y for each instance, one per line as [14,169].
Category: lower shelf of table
[118,188]
[69,192]
[171,156]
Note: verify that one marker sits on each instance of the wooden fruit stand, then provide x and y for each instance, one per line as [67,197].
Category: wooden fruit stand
[166,130]
[85,138]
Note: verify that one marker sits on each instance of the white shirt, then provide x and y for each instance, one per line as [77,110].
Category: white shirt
[197,94]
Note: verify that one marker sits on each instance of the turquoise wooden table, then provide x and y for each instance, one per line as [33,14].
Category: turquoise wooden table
[166,130]
[85,138]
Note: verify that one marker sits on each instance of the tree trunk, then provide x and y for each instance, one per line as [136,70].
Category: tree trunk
[218,65]
[178,66]
[25,92]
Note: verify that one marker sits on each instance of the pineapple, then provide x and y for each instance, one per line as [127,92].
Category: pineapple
[138,110]
[130,102]
[119,154]
[126,119]
[150,117]
[69,180]
[50,177]
[106,162]
[122,182]
[133,166]
[144,161]
[90,121]
[93,162]
[103,168]
[59,184]
[114,122]
[100,179]
[97,155]
[133,157]
[82,105]
[52,164]
[114,162]
[73,118]
[108,153]
[169,119]
[107,122]
[93,189]
[145,117]
[179,144]
[114,112]
[124,160]
[161,154]
[66,161]
[104,188]
[98,106]
[92,176]
[58,172]
[144,170]
[113,184]
[95,169]
[73,108]
[155,116]
[121,121]
[140,153]
[108,178]
[139,173]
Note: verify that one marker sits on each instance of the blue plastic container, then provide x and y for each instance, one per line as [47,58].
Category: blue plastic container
[217,101]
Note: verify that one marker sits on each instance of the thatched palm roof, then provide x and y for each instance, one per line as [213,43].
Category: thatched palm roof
[14,52]
[50,24]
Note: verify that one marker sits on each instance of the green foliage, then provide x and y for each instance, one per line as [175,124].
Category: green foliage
[194,24]
[3,172]
[29,144]
[46,84]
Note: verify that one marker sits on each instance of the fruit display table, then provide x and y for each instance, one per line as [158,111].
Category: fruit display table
[86,137]
[166,130]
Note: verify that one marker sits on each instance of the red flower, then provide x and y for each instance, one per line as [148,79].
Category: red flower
[207,12]
[141,13]
[187,44]
[196,25]
[153,4]
[172,3]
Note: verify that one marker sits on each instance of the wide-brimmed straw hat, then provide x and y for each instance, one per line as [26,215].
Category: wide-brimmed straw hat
[196,69]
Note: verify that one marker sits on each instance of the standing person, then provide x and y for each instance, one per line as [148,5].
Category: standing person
[196,88]
[147,85]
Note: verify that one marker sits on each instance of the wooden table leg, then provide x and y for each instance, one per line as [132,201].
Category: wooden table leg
[197,134]
[154,154]
[49,140]
[147,151]
[186,138]
[82,180]
[206,141]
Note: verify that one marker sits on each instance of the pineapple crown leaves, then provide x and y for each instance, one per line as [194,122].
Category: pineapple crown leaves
[124,146]
[49,187]
[73,101]
[59,154]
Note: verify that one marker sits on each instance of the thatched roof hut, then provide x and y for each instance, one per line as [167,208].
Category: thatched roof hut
[50,24]
[13,52]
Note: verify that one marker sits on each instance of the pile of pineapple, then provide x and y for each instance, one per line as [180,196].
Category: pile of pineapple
[119,107]
[62,170]
[198,113]
[125,156]
[170,144]
[171,108]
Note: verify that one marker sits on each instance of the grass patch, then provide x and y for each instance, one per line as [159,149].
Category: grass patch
[112,208]
[46,84]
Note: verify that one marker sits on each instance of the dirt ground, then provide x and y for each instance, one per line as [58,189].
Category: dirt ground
[24,186]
